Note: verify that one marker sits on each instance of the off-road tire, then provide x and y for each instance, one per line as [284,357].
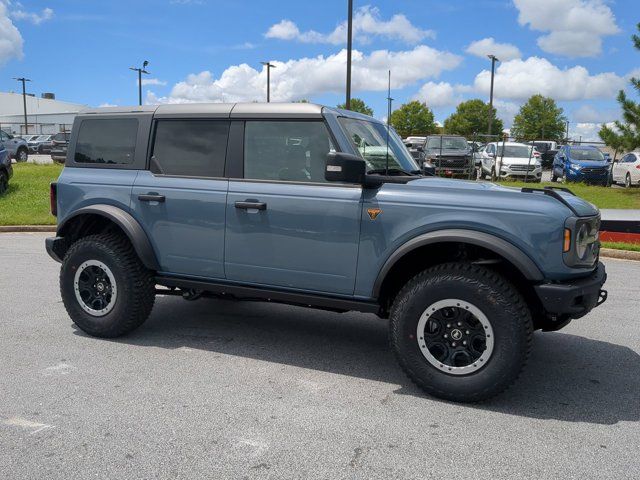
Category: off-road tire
[135,285]
[481,174]
[22,155]
[505,308]
[4,182]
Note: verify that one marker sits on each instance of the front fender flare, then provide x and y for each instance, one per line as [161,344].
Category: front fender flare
[126,222]
[501,247]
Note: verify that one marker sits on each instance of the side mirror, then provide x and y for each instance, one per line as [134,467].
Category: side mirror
[344,167]
[420,149]
[492,155]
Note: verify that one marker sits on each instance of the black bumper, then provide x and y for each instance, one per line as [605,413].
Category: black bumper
[55,247]
[576,298]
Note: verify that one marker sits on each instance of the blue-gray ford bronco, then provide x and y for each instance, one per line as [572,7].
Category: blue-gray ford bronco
[323,208]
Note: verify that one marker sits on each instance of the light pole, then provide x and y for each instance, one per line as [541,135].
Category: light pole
[24,101]
[269,66]
[494,59]
[347,103]
[567,137]
[140,72]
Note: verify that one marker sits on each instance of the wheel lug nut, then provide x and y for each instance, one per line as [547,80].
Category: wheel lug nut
[453,344]
[448,325]
[464,342]
[459,324]
[445,336]
[467,332]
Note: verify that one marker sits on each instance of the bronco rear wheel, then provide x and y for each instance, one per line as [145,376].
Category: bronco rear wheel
[105,288]
[461,332]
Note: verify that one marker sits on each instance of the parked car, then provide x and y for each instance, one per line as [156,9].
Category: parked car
[450,155]
[28,138]
[40,144]
[16,146]
[510,160]
[627,170]
[59,144]
[6,170]
[547,149]
[290,203]
[416,147]
[581,164]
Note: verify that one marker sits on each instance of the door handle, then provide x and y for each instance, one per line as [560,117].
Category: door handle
[251,204]
[151,197]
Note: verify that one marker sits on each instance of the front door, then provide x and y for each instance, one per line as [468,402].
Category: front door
[619,169]
[286,226]
[181,201]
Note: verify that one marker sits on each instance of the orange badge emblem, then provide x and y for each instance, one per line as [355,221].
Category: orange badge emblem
[373,213]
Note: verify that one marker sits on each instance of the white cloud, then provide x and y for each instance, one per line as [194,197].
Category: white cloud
[575,27]
[488,46]
[33,17]
[506,111]
[440,94]
[107,104]
[152,81]
[305,77]
[367,23]
[586,114]
[587,131]
[10,39]
[519,79]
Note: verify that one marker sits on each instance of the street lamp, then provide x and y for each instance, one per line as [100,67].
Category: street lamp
[347,103]
[269,66]
[24,101]
[494,59]
[140,72]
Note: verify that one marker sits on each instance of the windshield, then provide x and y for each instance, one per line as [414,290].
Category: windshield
[42,138]
[448,143]
[515,151]
[587,154]
[370,139]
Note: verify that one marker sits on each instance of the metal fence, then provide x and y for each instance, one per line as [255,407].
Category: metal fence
[35,128]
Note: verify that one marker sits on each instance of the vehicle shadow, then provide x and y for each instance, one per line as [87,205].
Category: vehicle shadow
[568,377]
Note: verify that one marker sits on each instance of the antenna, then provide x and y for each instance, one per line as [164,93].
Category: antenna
[389,100]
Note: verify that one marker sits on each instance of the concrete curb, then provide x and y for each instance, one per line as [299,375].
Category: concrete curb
[26,228]
[620,254]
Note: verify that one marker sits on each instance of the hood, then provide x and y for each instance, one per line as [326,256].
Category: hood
[448,152]
[589,163]
[464,194]
[517,160]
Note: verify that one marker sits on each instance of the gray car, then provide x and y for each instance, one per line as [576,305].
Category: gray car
[6,170]
[16,146]
[297,203]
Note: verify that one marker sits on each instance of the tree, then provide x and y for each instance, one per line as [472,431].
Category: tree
[539,119]
[358,105]
[472,117]
[413,118]
[625,136]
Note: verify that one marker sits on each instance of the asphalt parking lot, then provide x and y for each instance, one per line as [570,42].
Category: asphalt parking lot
[214,389]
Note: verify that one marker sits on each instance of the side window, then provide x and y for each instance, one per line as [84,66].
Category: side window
[3,136]
[193,148]
[293,151]
[490,148]
[107,141]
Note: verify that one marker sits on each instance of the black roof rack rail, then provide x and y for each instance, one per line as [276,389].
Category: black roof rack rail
[551,191]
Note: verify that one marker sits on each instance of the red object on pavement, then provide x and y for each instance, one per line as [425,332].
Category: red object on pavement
[620,237]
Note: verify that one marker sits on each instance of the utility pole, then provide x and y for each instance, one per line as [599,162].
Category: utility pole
[140,72]
[347,103]
[269,66]
[567,136]
[24,101]
[389,100]
[494,59]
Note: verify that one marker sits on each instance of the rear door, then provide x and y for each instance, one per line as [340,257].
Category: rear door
[619,169]
[286,225]
[180,200]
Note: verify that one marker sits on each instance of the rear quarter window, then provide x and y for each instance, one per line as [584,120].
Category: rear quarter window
[106,141]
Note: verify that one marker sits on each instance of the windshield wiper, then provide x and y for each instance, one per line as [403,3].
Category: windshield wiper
[394,171]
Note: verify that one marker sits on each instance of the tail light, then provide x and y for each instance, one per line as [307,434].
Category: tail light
[638,166]
[53,198]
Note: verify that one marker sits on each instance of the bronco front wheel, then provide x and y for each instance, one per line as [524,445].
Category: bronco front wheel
[461,332]
[105,288]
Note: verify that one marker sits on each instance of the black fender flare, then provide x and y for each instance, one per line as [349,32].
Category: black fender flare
[126,222]
[501,247]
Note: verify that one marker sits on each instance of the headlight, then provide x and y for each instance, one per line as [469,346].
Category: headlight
[573,166]
[581,245]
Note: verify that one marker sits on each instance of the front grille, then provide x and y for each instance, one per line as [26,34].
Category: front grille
[451,162]
[594,170]
[522,168]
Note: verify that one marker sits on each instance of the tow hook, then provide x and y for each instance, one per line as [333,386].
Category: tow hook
[602,297]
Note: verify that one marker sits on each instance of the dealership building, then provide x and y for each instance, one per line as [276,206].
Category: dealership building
[45,114]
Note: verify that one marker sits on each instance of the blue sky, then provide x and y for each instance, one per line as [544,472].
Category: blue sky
[576,51]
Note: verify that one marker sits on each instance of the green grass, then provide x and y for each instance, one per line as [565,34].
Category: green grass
[634,247]
[601,197]
[27,200]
